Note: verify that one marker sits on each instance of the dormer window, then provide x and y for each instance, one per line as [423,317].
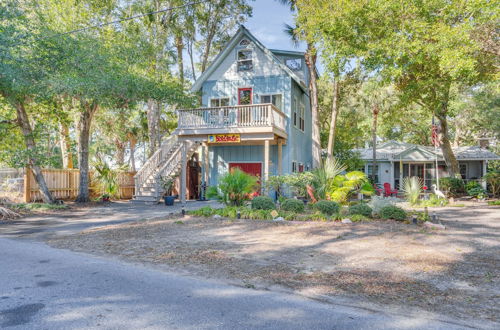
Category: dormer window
[294,64]
[244,59]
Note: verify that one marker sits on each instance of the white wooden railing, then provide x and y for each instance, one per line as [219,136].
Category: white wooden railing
[252,115]
[154,162]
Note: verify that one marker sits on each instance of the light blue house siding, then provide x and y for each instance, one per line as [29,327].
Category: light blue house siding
[269,75]
[299,144]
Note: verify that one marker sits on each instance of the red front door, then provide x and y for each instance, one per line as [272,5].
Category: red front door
[254,169]
[250,168]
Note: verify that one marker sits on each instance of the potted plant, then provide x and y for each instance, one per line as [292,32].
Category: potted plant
[168,185]
[105,197]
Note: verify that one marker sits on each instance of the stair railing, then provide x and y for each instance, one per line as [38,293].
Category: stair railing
[155,161]
[169,167]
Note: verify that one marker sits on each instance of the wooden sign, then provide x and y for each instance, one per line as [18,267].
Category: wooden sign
[224,138]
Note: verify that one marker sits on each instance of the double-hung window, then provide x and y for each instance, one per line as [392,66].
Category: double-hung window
[295,115]
[219,102]
[244,59]
[275,99]
[302,115]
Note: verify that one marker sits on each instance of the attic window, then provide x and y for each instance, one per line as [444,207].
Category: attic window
[244,42]
[294,64]
[244,59]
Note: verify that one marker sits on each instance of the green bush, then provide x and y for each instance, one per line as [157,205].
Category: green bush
[205,211]
[392,212]
[263,203]
[319,216]
[360,209]
[477,192]
[234,188]
[293,205]
[494,203]
[453,186]
[493,180]
[358,217]
[472,185]
[327,207]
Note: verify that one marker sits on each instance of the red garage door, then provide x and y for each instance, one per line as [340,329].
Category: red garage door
[250,168]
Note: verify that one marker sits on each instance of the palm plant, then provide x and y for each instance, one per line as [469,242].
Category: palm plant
[324,176]
[412,186]
[105,179]
[234,188]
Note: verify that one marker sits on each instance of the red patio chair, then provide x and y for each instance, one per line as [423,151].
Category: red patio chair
[388,191]
[378,190]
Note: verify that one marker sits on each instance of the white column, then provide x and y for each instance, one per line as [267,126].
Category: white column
[484,170]
[266,162]
[183,173]
[206,164]
[280,156]
[391,172]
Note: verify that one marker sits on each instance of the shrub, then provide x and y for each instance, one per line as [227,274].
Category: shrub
[319,216]
[493,180]
[494,203]
[358,217]
[327,207]
[205,211]
[477,192]
[453,186]
[293,205]
[263,203]
[471,185]
[379,202]
[360,209]
[392,212]
[234,188]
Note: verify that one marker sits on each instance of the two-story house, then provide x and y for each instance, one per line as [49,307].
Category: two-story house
[255,115]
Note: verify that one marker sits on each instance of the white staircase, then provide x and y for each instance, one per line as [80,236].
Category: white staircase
[165,163]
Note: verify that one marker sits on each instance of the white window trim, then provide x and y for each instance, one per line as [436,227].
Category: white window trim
[219,98]
[271,95]
[238,60]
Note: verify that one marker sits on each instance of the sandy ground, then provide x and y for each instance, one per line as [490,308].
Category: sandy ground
[453,272]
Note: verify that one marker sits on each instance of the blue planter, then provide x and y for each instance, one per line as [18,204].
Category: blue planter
[169,200]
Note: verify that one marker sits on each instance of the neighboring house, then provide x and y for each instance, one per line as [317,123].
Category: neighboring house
[255,116]
[397,160]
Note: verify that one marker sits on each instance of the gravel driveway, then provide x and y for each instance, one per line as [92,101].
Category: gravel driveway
[386,263]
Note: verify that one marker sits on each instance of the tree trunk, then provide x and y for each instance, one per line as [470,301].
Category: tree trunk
[449,156]
[191,58]
[179,45]
[374,141]
[120,152]
[310,58]
[23,122]
[153,116]
[84,124]
[333,121]
[133,143]
[65,142]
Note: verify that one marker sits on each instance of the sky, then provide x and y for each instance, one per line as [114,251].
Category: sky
[267,24]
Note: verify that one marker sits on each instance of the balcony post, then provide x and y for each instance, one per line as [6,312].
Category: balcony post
[280,156]
[183,173]
[266,163]
[206,165]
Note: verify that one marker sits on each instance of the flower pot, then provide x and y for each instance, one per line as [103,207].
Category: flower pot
[169,200]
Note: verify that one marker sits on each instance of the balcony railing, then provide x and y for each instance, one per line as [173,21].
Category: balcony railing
[240,116]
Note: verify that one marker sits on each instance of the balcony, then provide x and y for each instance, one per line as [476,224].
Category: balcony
[247,120]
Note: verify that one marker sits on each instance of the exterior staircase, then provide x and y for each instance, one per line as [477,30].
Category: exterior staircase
[165,163]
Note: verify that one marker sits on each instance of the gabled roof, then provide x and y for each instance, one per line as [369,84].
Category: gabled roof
[393,150]
[243,31]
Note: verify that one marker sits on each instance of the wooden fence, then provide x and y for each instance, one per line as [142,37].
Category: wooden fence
[64,183]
